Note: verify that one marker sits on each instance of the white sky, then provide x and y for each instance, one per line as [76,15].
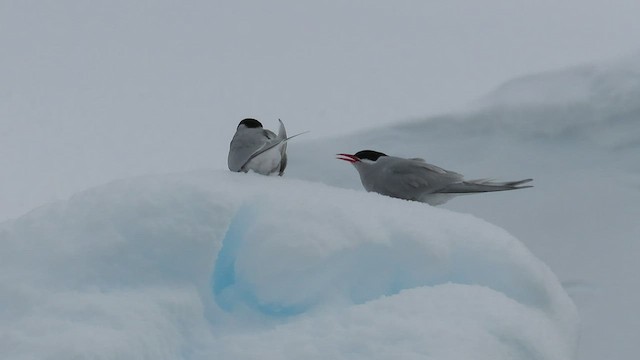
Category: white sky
[117,83]
[334,63]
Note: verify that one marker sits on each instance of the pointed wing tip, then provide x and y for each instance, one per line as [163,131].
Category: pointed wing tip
[298,134]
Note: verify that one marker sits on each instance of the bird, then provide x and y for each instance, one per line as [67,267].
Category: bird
[258,149]
[415,179]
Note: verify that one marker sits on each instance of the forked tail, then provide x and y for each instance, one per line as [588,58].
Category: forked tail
[483,185]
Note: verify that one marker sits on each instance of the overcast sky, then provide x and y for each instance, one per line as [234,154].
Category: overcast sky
[117,83]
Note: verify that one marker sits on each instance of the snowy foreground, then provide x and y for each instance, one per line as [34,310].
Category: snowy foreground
[215,265]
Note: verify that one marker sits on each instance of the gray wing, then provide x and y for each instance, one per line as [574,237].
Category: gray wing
[244,146]
[411,178]
[483,185]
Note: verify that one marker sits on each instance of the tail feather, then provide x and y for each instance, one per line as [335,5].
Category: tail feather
[282,132]
[484,185]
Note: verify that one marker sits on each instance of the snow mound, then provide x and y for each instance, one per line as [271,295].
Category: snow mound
[240,266]
[608,87]
[554,87]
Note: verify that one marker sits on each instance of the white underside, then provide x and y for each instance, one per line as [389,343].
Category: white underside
[266,163]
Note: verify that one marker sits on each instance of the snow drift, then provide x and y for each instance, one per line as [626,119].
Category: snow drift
[239,266]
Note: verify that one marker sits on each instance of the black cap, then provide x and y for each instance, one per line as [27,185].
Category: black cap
[369,154]
[250,123]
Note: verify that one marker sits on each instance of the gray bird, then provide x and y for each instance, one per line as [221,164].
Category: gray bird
[415,179]
[258,149]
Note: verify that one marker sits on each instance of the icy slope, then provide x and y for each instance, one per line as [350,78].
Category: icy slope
[239,266]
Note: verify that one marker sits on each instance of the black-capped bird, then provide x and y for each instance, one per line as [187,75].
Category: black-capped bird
[415,179]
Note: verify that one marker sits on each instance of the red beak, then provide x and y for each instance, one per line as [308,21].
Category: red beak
[347,157]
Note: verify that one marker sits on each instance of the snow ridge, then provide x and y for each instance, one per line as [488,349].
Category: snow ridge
[240,266]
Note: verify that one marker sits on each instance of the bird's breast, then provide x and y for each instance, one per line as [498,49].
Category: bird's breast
[266,163]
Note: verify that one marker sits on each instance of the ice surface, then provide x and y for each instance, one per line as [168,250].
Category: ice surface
[240,266]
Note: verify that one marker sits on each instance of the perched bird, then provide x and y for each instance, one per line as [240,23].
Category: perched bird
[258,149]
[414,179]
